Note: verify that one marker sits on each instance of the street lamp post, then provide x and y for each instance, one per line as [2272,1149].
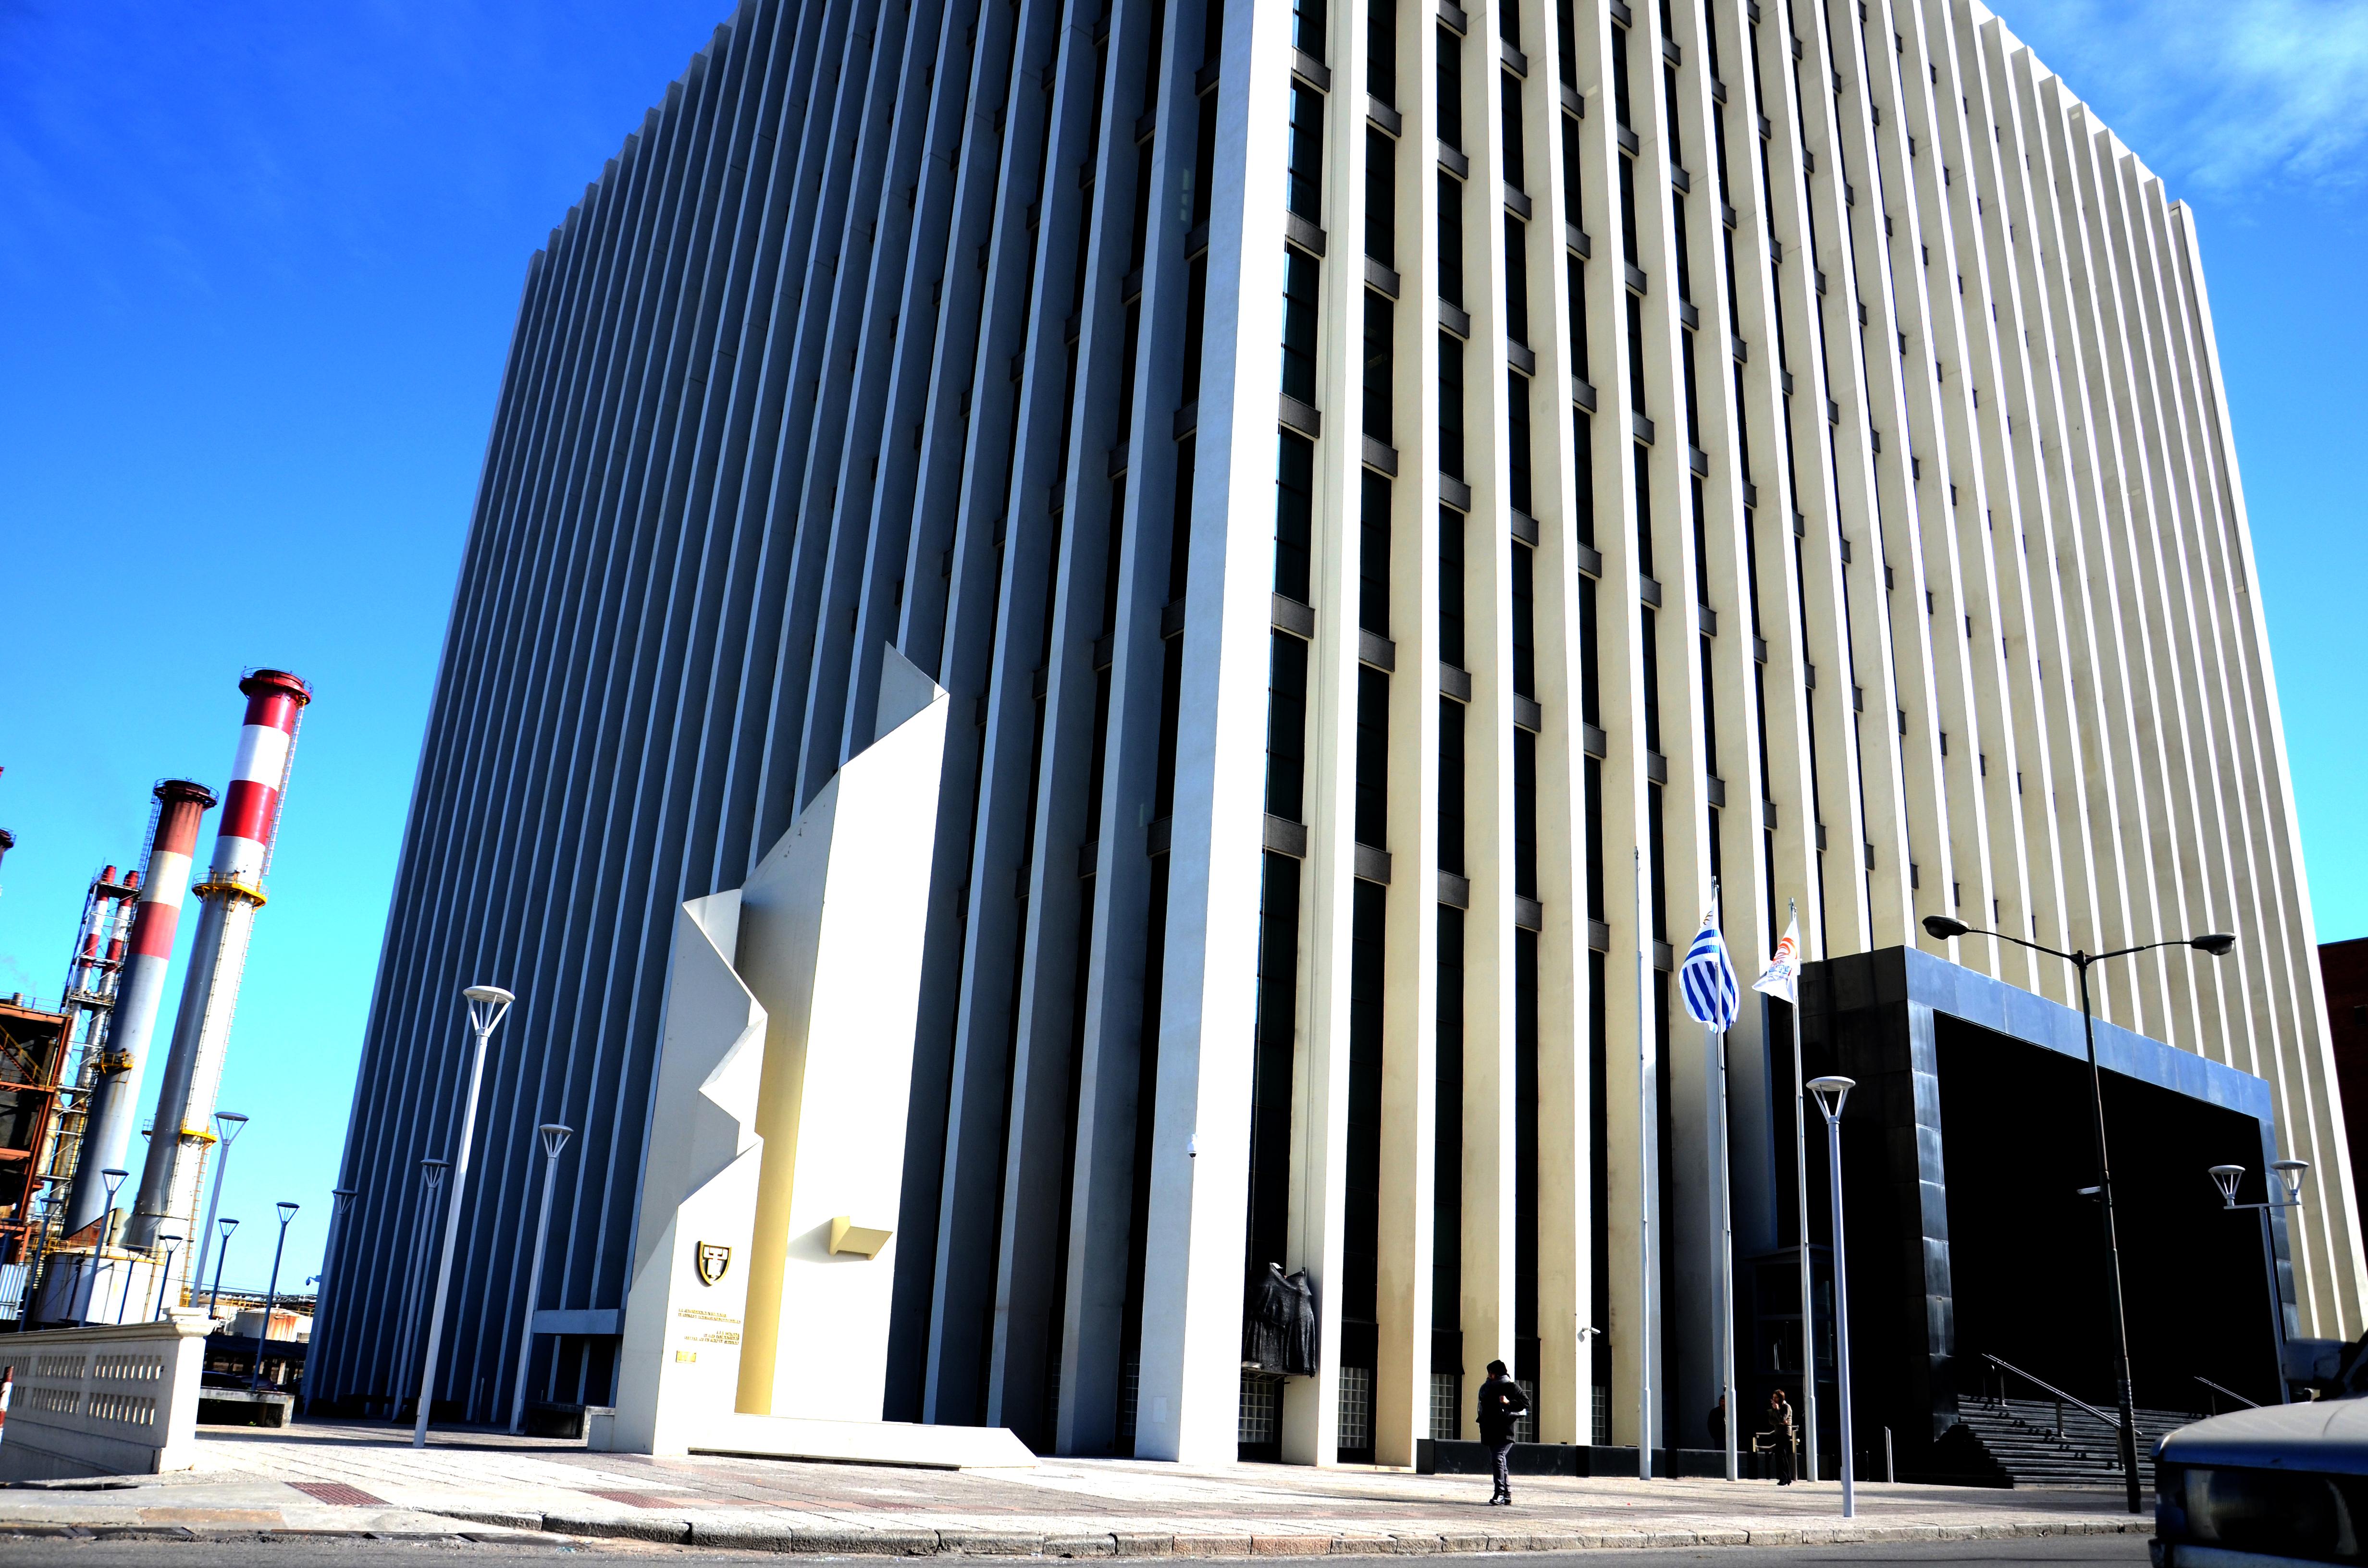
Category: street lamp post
[2218,944]
[554,1138]
[486,1005]
[2290,1174]
[271,1297]
[343,1199]
[114,1177]
[213,1302]
[230,1124]
[1830,1091]
[164,1280]
[431,1178]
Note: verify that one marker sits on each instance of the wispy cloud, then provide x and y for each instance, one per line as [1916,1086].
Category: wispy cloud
[2221,96]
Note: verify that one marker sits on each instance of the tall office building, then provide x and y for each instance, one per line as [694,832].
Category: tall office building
[1407,502]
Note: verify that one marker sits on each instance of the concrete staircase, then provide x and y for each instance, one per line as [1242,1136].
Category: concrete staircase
[2038,1442]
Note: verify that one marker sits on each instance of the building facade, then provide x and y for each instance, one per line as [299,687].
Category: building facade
[1407,502]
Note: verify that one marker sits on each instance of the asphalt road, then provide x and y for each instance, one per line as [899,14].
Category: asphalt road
[247,1553]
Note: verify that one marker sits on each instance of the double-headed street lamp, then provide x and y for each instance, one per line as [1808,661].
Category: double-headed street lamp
[213,1302]
[2218,944]
[2290,1174]
[1830,1091]
[554,1136]
[486,1005]
[271,1297]
[164,1280]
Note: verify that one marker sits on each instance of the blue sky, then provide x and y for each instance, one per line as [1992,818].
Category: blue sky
[260,262]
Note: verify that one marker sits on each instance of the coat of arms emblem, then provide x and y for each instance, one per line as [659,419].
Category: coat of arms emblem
[713,1259]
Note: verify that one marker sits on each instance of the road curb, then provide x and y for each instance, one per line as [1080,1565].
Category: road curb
[690,1529]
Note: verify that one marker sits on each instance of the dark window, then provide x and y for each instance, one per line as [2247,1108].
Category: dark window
[1525,813]
[1451,785]
[1307,27]
[1450,88]
[1644,470]
[1286,727]
[1451,586]
[1451,405]
[1628,208]
[1381,52]
[1450,239]
[1574,270]
[1576,212]
[1635,351]
[1685,271]
[1299,275]
[1651,650]
[1525,622]
[1517,441]
[1307,185]
[1381,197]
[1619,77]
[1516,279]
[1590,666]
[1380,323]
[1196,310]
[1294,514]
[1372,757]
[1508,110]
[1582,432]
[1374,555]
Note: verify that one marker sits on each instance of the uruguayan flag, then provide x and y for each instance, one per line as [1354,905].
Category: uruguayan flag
[1713,995]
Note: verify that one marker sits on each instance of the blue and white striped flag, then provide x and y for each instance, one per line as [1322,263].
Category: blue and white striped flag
[1713,994]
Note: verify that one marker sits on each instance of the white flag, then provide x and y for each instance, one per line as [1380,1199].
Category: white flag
[1782,978]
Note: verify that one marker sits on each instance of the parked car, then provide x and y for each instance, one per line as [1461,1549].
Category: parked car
[2282,1483]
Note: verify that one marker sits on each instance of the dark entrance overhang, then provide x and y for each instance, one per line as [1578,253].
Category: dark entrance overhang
[1965,1148]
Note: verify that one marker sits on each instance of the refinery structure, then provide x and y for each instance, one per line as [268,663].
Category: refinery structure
[93,1227]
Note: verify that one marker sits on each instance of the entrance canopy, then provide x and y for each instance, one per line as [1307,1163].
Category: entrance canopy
[1965,1150]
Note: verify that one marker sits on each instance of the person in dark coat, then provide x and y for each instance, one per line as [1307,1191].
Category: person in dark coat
[1781,1435]
[1501,1401]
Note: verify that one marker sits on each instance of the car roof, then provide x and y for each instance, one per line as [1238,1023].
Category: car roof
[2328,1435]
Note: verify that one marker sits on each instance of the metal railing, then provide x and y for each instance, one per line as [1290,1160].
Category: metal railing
[2113,1422]
[2229,1392]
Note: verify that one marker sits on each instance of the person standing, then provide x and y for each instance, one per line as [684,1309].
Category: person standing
[1501,1401]
[1780,1433]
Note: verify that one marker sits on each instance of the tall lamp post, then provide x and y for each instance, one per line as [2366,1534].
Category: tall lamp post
[213,1302]
[343,1199]
[2290,1174]
[554,1138]
[2218,944]
[230,1124]
[1830,1091]
[487,1004]
[414,1281]
[113,1176]
[271,1297]
[164,1280]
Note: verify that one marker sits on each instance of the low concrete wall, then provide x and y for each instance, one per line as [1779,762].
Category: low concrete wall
[107,1401]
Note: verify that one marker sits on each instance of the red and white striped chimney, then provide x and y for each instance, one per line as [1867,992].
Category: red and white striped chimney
[181,806]
[232,891]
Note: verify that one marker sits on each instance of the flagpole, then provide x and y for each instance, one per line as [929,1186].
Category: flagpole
[1714,1097]
[1726,1265]
[1800,1188]
[1645,1141]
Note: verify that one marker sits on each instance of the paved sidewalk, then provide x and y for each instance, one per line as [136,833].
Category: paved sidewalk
[349,1477]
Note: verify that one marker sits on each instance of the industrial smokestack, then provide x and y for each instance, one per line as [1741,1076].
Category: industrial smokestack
[181,806]
[232,891]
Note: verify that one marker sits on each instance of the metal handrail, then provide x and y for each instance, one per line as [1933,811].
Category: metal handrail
[2112,1421]
[2232,1394]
